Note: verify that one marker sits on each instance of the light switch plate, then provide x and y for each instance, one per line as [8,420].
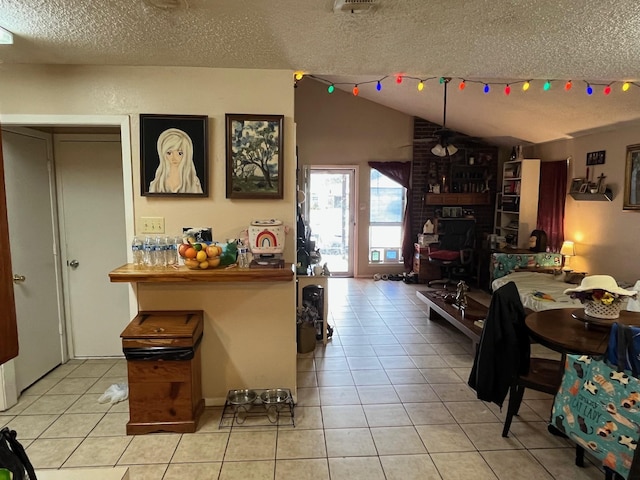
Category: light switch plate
[152,225]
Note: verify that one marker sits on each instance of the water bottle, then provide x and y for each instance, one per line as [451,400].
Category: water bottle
[171,251]
[138,252]
[147,249]
[159,252]
[243,257]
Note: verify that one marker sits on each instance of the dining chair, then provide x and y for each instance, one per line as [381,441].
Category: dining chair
[544,376]
[503,362]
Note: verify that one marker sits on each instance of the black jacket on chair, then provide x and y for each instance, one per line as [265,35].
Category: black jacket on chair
[504,349]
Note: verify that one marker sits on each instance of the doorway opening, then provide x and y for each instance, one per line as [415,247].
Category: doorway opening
[61,126]
[331,214]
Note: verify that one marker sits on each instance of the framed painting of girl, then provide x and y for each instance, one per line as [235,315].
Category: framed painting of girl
[173,155]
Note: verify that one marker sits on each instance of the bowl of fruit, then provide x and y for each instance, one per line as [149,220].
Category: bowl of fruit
[200,255]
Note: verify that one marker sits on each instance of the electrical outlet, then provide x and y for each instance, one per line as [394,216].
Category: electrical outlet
[152,225]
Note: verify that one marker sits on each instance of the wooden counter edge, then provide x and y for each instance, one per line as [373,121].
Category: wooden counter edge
[128,273]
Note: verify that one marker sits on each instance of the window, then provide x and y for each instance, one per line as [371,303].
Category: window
[387,203]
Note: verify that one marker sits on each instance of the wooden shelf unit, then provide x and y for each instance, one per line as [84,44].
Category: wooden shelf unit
[458,198]
[517,201]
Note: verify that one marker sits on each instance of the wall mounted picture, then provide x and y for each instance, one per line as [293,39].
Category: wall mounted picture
[255,156]
[173,155]
[596,158]
[632,179]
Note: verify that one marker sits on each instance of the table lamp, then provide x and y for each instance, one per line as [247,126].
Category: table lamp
[568,250]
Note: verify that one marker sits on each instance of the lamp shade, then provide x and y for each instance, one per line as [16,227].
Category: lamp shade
[440,151]
[568,249]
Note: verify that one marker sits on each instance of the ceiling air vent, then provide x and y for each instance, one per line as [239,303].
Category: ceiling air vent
[354,6]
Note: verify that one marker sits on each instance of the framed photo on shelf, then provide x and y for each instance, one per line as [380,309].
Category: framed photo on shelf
[174,155]
[576,184]
[584,188]
[255,156]
[632,179]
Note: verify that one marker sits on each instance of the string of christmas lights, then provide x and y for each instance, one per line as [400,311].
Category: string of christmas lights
[487,87]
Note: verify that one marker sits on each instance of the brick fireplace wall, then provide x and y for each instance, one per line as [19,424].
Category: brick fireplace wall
[427,167]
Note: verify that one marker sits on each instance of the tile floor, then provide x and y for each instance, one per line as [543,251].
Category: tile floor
[386,399]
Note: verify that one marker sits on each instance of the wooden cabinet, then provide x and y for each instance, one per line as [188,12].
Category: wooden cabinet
[164,371]
[517,203]
[426,270]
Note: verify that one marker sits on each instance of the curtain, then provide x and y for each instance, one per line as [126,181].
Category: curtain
[552,196]
[400,172]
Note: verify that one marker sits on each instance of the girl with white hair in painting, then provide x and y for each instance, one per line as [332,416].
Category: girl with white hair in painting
[176,172]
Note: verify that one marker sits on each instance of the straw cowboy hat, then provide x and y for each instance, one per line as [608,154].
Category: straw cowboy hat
[600,282]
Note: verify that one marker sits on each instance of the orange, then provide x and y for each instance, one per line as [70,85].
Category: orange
[190,252]
[214,262]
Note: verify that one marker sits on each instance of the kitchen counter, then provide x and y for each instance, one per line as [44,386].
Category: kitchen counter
[131,273]
[249,320]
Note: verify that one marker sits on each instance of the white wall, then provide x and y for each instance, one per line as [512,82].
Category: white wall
[606,236]
[340,129]
[90,91]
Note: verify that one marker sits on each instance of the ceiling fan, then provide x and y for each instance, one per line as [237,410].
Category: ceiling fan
[444,147]
[443,137]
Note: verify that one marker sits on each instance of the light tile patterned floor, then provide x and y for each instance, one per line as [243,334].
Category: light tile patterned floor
[386,399]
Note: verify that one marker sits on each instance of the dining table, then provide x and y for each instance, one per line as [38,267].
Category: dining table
[569,330]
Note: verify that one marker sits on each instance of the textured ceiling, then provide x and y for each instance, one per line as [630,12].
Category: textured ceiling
[495,41]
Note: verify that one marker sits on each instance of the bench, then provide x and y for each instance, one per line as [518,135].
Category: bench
[462,320]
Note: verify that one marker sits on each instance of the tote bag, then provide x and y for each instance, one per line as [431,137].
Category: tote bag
[598,407]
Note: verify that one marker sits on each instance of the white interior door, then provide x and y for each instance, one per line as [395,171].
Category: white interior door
[331,213]
[92,221]
[30,209]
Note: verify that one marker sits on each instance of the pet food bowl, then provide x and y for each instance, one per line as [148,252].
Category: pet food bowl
[241,397]
[274,395]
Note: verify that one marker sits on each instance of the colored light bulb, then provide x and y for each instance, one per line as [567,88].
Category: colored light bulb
[525,86]
[299,75]
[331,88]
[589,89]
[607,90]
[441,80]
[507,90]
[568,85]
[462,85]
[420,86]
[547,86]
[487,88]
[356,91]
[378,86]
[398,79]
[625,86]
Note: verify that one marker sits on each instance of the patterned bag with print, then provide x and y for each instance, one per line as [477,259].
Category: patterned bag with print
[598,407]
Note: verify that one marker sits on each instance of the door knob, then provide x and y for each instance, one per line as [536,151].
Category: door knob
[74,264]
[19,278]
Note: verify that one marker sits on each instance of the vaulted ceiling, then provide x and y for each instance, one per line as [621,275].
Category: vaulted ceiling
[492,42]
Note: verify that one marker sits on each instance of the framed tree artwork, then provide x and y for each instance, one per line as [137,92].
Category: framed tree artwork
[173,155]
[255,156]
